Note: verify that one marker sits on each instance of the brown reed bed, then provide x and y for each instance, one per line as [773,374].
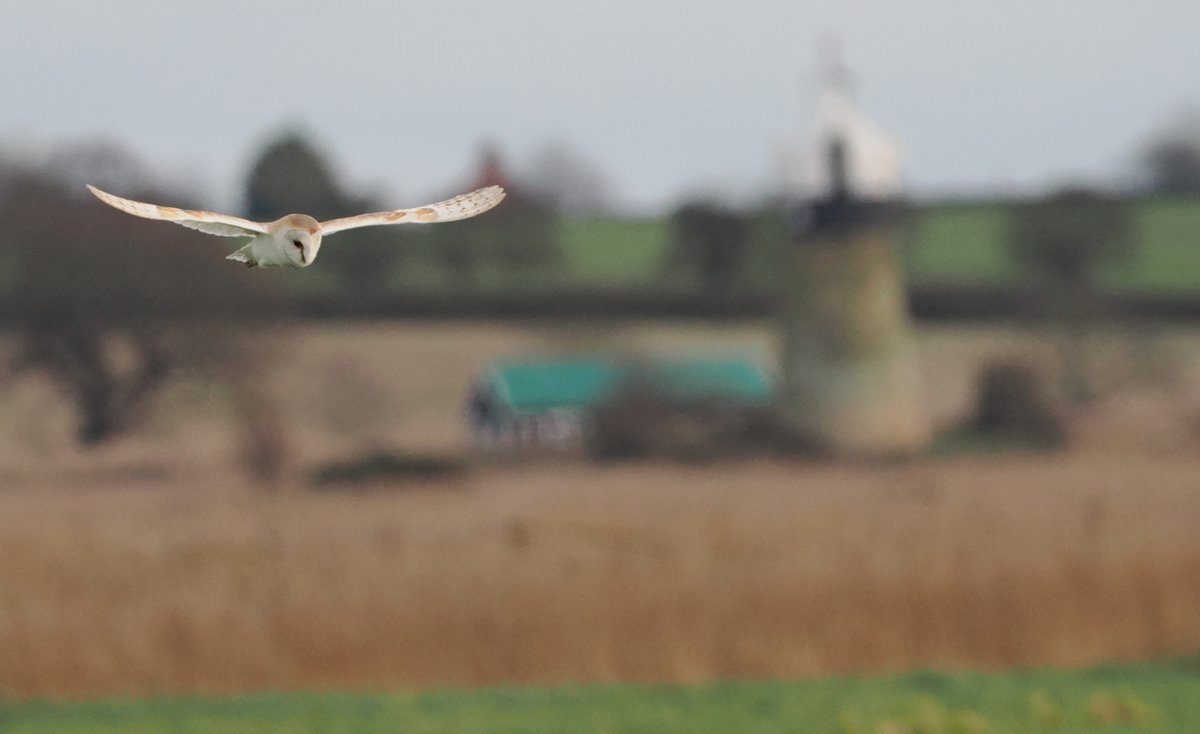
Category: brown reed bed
[651,572]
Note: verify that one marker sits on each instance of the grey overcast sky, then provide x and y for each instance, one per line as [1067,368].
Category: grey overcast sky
[664,96]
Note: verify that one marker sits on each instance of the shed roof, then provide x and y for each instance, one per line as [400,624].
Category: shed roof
[536,385]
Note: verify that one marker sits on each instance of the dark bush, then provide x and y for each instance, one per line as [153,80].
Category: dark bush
[381,466]
[1014,402]
[640,422]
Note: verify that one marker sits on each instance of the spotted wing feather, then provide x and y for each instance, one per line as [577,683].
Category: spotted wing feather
[212,223]
[460,207]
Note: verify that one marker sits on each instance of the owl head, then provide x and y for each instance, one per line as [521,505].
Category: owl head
[301,236]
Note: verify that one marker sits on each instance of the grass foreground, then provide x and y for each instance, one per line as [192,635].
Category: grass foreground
[1162,697]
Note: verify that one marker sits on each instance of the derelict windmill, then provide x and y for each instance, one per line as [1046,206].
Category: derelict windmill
[850,383]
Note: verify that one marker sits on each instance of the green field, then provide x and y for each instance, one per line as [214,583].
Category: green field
[957,245]
[1168,260]
[615,252]
[1153,697]
[942,244]
[966,245]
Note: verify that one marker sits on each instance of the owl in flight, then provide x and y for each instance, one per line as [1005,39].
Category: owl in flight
[293,241]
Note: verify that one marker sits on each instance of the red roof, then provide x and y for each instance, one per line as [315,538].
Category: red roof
[492,173]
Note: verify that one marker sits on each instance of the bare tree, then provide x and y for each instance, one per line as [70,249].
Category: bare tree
[1171,161]
[709,240]
[568,182]
[1066,238]
[1064,242]
[1174,166]
[108,306]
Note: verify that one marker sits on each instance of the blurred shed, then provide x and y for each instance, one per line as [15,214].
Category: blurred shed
[549,404]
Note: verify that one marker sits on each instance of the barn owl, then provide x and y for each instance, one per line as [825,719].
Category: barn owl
[293,241]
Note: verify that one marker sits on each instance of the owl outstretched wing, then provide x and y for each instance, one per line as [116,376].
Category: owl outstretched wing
[460,207]
[222,225]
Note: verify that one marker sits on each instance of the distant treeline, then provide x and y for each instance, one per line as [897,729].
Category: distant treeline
[927,303]
[64,256]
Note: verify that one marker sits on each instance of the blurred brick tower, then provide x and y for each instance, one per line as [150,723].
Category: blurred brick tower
[850,382]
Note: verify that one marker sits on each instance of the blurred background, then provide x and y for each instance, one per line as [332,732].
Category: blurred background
[812,339]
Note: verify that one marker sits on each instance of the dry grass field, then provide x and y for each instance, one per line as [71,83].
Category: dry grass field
[152,565]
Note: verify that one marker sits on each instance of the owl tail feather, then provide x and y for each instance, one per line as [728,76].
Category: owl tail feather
[243,256]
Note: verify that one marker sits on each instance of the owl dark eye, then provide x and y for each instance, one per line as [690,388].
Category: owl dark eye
[298,243]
